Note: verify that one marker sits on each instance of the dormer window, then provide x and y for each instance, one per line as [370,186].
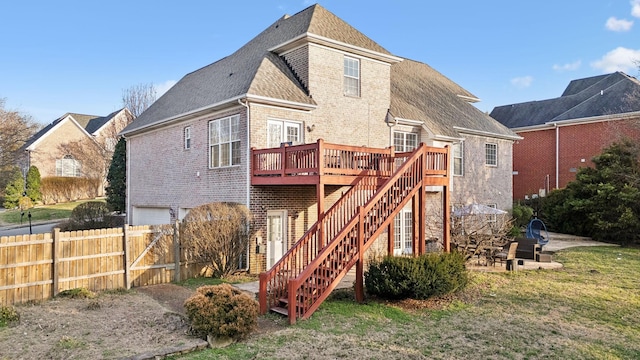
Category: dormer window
[351,76]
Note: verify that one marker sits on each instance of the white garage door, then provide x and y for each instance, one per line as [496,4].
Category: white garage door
[150,216]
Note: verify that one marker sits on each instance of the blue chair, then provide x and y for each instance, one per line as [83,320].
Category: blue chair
[535,229]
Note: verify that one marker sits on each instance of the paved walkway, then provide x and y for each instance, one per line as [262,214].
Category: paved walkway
[557,242]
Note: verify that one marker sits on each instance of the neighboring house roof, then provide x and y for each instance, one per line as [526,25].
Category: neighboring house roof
[418,92]
[90,124]
[609,94]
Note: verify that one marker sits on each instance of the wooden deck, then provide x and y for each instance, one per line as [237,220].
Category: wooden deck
[333,164]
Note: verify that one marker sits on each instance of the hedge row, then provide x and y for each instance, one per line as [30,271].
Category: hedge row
[57,189]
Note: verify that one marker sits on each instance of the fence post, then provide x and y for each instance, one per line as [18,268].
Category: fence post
[55,255]
[176,250]
[125,247]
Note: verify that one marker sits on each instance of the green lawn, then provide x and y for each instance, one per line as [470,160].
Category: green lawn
[40,213]
[590,309]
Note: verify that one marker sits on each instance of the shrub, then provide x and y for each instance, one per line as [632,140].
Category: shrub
[221,311]
[77,293]
[522,214]
[8,315]
[117,178]
[91,215]
[14,189]
[217,234]
[418,278]
[33,184]
[56,189]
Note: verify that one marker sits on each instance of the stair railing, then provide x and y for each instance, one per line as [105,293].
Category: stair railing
[309,289]
[273,283]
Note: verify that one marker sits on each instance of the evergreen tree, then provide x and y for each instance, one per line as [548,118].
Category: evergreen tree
[117,178]
[15,188]
[33,184]
[603,202]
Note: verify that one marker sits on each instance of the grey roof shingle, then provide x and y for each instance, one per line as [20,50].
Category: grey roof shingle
[583,98]
[418,92]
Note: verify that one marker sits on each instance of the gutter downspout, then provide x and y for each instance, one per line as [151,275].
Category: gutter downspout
[128,182]
[557,155]
[246,105]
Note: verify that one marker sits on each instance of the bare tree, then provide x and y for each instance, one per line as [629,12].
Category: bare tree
[138,98]
[15,130]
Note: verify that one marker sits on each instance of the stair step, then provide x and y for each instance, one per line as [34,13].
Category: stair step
[280,310]
[284,301]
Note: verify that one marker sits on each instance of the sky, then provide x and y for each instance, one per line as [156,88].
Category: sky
[78,56]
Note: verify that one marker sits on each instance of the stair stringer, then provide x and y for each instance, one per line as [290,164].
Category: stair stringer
[314,284]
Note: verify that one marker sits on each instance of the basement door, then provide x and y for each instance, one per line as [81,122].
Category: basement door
[276,236]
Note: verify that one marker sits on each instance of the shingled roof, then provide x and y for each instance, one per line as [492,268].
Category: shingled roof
[609,94]
[418,92]
[253,69]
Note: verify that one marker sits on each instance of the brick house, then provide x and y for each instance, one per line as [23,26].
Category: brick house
[295,120]
[75,145]
[563,134]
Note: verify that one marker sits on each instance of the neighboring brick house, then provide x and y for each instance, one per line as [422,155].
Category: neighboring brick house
[75,145]
[306,77]
[563,134]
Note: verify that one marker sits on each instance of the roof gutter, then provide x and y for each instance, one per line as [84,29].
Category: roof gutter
[488,133]
[217,106]
[578,121]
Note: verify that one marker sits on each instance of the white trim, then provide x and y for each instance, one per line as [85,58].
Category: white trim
[280,108]
[469,98]
[285,103]
[321,40]
[578,121]
[56,127]
[110,120]
[487,133]
[496,154]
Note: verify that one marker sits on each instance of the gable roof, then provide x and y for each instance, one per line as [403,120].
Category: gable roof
[90,124]
[254,69]
[419,92]
[583,98]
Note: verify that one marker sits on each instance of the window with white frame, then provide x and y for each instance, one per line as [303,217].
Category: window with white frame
[68,166]
[224,141]
[492,217]
[405,141]
[282,131]
[457,151]
[187,137]
[491,154]
[403,232]
[351,76]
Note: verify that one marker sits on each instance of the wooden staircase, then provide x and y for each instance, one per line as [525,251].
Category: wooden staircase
[305,276]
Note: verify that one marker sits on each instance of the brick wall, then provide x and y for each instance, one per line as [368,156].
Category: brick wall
[535,156]
[483,184]
[164,174]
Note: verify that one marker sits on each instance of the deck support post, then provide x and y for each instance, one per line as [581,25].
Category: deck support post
[446,218]
[422,221]
[391,237]
[415,225]
[359,288]
[320,200]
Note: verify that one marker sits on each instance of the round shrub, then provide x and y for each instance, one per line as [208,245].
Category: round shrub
[416,277]
[91,215]
[221,311]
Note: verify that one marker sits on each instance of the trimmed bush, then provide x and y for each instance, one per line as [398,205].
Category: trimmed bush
[33,184]
[91,215]
[56,189]
[416,277]
[221,311]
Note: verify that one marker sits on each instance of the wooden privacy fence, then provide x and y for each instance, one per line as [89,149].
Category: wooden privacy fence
[37,267]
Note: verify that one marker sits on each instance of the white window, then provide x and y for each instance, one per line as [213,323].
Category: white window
[405,141]
[68,167]
[458,159]
[224,141]
[187,138]
[492,217]
[403,232]
[491,154]
[351,76]
[281,131]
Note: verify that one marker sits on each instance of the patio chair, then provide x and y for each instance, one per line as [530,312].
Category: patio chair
[508,256]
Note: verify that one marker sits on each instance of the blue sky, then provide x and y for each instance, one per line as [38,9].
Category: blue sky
[78,56]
